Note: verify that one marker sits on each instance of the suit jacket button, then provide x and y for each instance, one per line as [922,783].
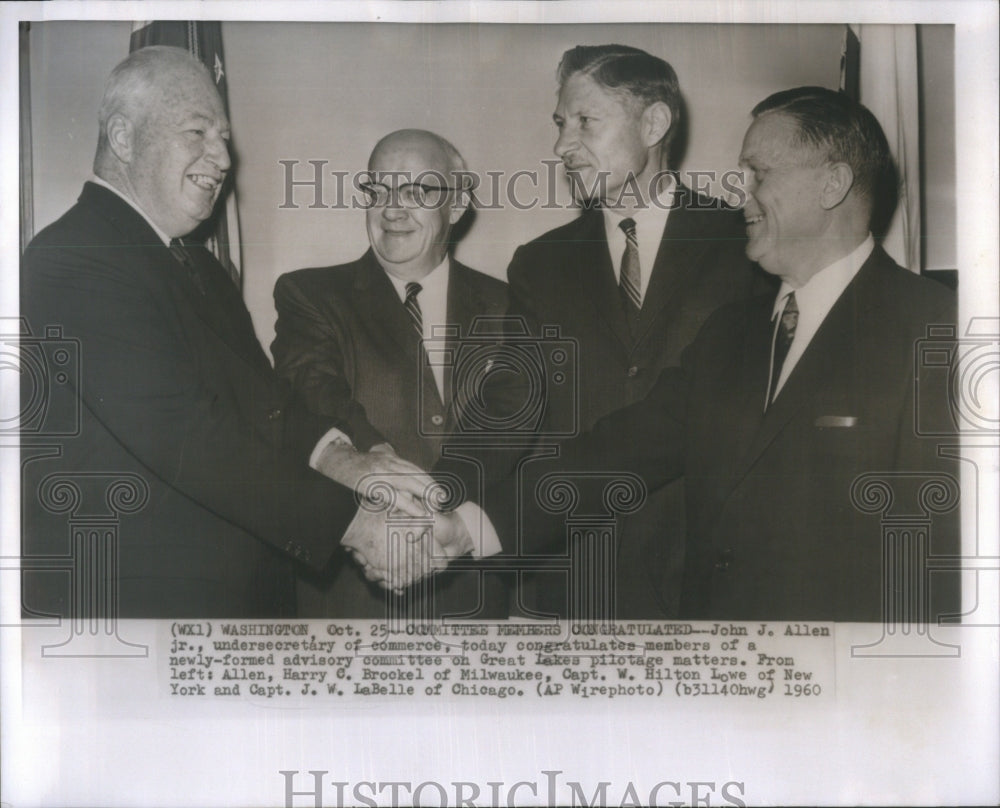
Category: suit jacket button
[437,420]
[632,372]
[274,414]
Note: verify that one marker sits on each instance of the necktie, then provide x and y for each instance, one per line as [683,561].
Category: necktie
[413,307]
[181,253]
[630,282]
[787,322]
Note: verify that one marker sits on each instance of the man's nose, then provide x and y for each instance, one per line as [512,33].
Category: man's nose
[565,143]
[217,152]
[394,210]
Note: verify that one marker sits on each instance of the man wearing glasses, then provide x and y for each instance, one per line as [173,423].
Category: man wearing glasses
[361,342]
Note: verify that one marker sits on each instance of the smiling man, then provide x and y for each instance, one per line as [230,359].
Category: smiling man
[617,114]
[783,403]
[182,418]
[351,339]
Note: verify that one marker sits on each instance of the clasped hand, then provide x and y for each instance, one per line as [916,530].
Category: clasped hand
[396,555]
[394,552]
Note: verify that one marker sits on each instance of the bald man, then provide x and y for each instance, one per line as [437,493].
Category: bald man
[359,342]
[192,454]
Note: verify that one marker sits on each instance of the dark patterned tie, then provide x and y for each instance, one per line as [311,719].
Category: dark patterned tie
[630,282]
[413,306]
[787,323]
[180,252]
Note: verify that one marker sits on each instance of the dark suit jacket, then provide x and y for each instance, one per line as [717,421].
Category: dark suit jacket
[173,387]
[773,532]
[566,278]
[346,343]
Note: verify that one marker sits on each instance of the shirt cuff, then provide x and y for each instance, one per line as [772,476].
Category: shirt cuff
[332,436]
[485,541]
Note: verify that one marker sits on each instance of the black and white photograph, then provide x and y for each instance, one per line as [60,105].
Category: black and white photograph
[376,371]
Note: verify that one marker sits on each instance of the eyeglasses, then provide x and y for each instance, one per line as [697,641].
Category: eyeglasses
[411,194]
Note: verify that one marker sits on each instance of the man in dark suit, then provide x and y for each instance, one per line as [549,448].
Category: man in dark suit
[790,415]
[618,111]
[369,342]
[184,426]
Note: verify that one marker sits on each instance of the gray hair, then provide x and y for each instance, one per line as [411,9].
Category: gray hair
[127,89]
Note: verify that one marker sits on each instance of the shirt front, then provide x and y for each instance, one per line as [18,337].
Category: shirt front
[650,222]
[814,300]
[433,302]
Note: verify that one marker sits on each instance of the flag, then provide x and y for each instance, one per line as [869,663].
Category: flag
[879,69]
[203,40]
[27,177]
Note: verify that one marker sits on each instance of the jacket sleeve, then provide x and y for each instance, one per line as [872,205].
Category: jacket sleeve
[141,377]
[645,438]
[308,351]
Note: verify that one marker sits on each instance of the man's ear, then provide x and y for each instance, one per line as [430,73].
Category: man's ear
[656,121]
[839,180]
[121,134]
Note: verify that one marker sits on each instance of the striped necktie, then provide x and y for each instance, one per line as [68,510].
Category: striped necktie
[412,306]
[630,281]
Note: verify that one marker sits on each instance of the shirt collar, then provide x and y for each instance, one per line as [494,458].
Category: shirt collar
[134,205]
[824,288]
[651,218]
[432,283]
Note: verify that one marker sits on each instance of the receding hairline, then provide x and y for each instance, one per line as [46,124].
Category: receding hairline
[136,82]
[452,157]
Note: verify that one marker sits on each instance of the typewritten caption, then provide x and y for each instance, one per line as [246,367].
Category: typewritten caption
[289,661]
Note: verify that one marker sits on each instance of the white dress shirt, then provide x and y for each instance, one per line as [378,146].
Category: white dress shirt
[650,222]
[815,300]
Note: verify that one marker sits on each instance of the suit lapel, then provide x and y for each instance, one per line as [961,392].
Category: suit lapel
[751,385]
[676,262]
[736,407]
[218,303]
[220,309]
[591,262]
[829,361]
[463,305]
[376,301]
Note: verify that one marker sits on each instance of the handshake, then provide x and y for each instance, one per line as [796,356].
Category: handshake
[388,489]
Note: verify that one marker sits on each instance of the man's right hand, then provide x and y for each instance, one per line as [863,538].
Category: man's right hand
[374,473]
[392,558]
[414,554]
